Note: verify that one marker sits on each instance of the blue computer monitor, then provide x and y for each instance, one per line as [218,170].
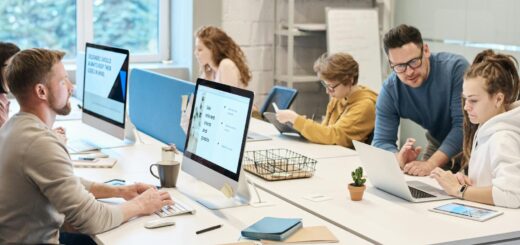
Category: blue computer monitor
[216,139]
[105,88]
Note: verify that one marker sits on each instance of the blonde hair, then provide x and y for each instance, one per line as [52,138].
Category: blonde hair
[30,67]
[221,47]
[340,67]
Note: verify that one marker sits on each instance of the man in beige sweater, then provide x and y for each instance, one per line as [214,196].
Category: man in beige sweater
[38,189]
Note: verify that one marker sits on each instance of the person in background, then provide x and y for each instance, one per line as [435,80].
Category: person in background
[6,51]
[220,58]
[39,189]
[491,134]
[424,87]
[351,110]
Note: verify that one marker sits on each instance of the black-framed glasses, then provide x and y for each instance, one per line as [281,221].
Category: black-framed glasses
[413,63]
[328,87]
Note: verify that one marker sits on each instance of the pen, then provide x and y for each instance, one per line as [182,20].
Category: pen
[87,158]
[208,229]
[275,107]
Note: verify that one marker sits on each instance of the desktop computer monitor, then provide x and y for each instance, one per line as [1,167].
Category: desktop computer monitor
[216,138]
[105,82]
[104,88]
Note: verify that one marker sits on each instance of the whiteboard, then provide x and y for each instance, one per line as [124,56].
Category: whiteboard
[356,31]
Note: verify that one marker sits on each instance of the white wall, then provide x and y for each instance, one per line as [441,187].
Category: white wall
[463,27]
[251,24]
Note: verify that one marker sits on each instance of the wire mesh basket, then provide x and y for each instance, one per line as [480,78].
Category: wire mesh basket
[278,164]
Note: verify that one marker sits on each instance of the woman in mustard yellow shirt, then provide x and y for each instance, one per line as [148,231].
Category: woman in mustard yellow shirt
[351,110]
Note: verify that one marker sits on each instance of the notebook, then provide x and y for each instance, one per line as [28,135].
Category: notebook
[271,228]
[96,163]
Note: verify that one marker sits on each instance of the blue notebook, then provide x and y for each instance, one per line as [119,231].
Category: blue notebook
[270,228]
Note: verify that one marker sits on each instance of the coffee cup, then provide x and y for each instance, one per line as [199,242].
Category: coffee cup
[168,171]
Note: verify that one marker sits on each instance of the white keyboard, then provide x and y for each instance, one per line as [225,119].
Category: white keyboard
[77,146]
[177,209]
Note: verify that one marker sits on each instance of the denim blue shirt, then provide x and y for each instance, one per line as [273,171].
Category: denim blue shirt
[435,105]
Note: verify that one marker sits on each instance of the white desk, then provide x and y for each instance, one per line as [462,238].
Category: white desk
[133,164]
[294,143]
[385,218]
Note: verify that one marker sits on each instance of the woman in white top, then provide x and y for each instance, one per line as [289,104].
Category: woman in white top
[491,149]
[220,58]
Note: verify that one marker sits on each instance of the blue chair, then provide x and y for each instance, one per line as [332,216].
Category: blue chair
[155,105]
[282,96]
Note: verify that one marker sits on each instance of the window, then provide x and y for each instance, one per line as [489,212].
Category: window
[138,25]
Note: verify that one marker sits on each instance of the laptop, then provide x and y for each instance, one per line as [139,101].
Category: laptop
[385,174]
[281,127]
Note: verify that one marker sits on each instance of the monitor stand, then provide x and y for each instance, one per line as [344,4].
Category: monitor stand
[87,138]
[225,198]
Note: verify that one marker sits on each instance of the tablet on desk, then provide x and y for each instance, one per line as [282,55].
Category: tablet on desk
[467,211]
[281,127]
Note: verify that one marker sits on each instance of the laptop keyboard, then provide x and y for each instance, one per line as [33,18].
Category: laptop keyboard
[416,193]
[175,209]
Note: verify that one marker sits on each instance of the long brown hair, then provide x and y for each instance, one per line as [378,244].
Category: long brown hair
[222,46]
[500,74]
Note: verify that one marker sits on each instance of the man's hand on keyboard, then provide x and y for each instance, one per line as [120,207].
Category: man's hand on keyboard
[152,200]
[129,192]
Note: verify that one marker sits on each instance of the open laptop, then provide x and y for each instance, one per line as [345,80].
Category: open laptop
[385,174]
[281,127]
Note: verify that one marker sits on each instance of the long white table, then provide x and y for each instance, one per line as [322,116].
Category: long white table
[293,143]
[384,218]
[133,165]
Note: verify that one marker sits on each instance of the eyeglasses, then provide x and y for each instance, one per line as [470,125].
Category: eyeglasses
[413,63]
[328,87]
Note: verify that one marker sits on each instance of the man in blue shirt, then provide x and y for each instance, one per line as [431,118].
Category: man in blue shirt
[425,88]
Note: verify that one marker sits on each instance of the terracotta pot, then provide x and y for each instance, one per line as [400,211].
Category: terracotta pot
[356,192]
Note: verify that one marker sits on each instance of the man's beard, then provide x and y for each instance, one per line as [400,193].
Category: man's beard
[65,110]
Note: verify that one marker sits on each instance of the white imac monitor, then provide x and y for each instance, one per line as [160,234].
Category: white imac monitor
[216,138]
[105,89]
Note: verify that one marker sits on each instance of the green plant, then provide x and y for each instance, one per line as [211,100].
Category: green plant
[357,177]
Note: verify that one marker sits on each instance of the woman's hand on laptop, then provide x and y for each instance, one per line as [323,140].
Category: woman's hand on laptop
[447,180]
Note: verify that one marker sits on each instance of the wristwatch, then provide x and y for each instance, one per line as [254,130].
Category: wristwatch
[462,190]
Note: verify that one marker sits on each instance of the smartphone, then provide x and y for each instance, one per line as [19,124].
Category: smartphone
[467,211]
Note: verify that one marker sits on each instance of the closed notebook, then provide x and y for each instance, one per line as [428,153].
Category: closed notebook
[96,163]
[270,228]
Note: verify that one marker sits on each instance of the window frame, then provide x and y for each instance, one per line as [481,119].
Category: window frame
[85,31]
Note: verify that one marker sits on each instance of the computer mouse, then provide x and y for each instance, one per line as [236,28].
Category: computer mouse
[158,223]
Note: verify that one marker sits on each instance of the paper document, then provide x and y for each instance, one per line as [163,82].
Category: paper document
[312,234]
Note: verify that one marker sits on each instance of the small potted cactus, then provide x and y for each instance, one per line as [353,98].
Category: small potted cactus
[357,188]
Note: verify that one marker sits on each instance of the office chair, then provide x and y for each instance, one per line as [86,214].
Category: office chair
[282,96]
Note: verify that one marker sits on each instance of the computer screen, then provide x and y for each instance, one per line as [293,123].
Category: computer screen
[282,96]
[105,88]
[217,134]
